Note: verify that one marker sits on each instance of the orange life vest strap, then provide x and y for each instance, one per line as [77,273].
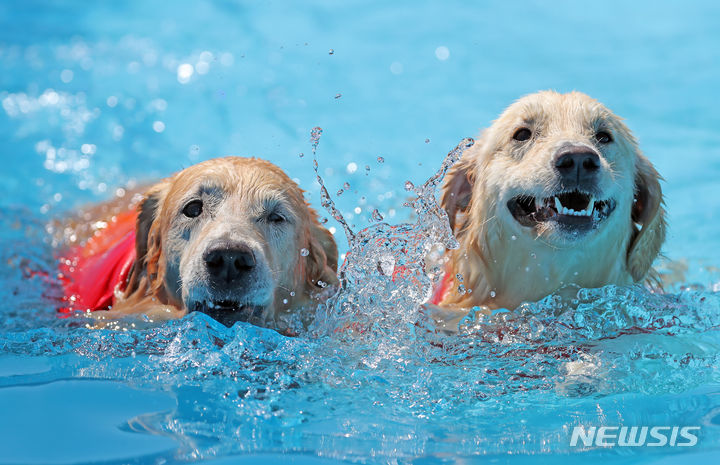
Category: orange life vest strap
[91,273]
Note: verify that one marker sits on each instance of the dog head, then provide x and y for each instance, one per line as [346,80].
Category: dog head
[231,237]
[560,171]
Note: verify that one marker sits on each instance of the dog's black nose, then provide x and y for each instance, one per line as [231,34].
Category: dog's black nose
[577,165]
[228,262]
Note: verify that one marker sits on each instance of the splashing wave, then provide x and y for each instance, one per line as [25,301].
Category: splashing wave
[375,373]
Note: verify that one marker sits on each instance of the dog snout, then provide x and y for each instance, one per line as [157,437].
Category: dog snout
[226,263]
[577,165]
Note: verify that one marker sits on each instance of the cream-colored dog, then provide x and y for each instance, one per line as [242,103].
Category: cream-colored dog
[231,237]
[555,192]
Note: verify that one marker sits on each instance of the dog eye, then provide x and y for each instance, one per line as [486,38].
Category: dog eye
[193,209]
[522,134]
[275,217]
[603,137]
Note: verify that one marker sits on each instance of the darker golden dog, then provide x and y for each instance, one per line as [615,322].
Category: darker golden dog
[231,237]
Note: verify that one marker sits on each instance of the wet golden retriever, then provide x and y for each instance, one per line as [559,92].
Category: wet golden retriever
[555,192]
[231,237]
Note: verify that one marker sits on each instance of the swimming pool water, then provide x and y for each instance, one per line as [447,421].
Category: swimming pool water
[96,96]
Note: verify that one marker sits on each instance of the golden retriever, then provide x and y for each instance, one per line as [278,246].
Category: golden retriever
[231,237]
[555,192]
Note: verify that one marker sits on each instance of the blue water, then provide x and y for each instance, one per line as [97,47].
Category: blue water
[98,95]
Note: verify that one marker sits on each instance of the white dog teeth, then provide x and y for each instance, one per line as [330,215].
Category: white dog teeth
[569,211]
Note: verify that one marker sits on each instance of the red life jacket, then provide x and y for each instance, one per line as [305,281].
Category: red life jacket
[442,289]
[91,273]
[439,293]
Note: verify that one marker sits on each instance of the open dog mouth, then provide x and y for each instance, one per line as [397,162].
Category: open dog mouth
[228,312]
[573,210]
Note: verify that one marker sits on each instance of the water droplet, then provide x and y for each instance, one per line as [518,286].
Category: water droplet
[301,155]
[325,200]
[461,289]
[376,215]
[513,237]
[322,284]
[459,277]
[492,294]
[339,192]
[338,95]
[304,252]
[427,141]
[409,186]
[386,265]
[292,294]
[367,167]
[315,134]
[285,301]
[575,274]
[331,52]
[380,160]
[346,185]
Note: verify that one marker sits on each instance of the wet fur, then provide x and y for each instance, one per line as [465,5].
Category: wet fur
[167,251]
[504,263]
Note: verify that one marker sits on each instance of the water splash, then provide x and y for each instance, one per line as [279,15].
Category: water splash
[375,373]
[387,262]
[249,389]
[325,200]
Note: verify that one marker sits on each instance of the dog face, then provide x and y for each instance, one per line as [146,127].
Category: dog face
[231,237]
[558,177]
[559,166]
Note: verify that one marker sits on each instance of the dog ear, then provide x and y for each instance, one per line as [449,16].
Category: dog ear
[322,258]
[457,188]
[147,241]
[649,214]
